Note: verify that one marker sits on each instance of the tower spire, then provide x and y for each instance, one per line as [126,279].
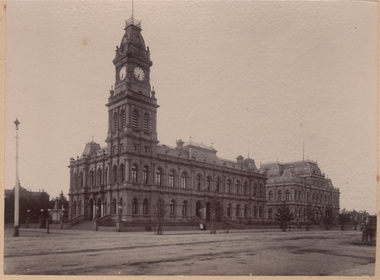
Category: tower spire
[133,11]
[303,151]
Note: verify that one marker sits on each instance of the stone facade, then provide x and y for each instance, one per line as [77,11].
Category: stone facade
[301,185]
[126,177]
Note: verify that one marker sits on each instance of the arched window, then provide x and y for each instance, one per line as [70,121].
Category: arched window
[313,197]
[113,208]
[184,208]
[254,189]
[255,211]
[218,184]
[237,185]
[271,196]
[238,211]
[74,207]
[122,118]
[75,180]
[172,208]
[122,173]
[81,179]
[114,122]
[270,214]
[145,207]
[106,176]
[146,122]
[121,204]
[183,180]
[260,211]
[134,206]
[245,210]
[198,181]
[229,210]
[287,195]
[159,177]
[92,178]
[114,177]
[105,207]
[261,190]
[80,207]
[145,175]
[295,194]
[279,196]
[245,188]
[171,179]
[134,173]
[229,183]
[208,183]
[100,177]
[135,117]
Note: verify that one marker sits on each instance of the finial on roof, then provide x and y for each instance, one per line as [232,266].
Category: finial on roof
[92,138]
[190,140]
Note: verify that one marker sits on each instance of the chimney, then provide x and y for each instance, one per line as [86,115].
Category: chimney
[240,159]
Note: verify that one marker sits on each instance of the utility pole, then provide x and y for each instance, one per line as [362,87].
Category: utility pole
[17,188]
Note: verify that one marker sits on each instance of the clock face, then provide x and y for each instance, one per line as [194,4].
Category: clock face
[139,73]
[123,73]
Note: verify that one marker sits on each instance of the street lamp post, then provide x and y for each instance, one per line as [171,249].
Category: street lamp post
[42,218]
[27,218]
[17,188]
[96,212]
[120,209]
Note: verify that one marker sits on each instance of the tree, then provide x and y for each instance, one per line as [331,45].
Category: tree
[328,217]
[62,201]
[159,212]
[217,213]
[309,216]
[344,218]
[284,215]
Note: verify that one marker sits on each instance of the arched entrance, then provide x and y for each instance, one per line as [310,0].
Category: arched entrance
[208,211]
[90,209]
[198,209]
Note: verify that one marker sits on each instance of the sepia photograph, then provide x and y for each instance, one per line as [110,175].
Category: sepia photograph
[190,138]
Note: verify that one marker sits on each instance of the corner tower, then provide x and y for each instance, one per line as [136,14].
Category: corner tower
[132,105]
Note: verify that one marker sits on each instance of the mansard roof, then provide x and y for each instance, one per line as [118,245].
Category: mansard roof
[298,168]
[90,149]
[201,153]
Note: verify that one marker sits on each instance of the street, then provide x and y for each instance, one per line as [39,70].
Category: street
[240,252]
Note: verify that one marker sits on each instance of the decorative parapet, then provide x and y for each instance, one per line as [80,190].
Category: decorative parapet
[132,21]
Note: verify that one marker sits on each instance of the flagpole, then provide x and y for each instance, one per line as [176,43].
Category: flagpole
[17,188]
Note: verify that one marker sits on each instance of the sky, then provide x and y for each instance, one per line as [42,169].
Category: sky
[248,77]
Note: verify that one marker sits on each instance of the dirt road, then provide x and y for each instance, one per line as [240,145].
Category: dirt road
[240,252]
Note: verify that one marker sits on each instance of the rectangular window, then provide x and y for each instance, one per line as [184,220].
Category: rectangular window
[183,184]
[121,148]
[135,147]
[146,149]
[114,149]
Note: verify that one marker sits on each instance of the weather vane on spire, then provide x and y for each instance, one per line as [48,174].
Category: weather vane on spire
[131,20]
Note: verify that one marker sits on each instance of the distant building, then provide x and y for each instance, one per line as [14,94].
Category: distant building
[132,172]
[27,194]
[300,184]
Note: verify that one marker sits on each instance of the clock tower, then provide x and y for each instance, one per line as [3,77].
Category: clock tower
[132,105]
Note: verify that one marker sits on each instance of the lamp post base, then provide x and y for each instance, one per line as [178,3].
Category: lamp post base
[15,231]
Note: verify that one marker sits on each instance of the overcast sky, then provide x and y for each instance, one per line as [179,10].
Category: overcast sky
[249,77]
